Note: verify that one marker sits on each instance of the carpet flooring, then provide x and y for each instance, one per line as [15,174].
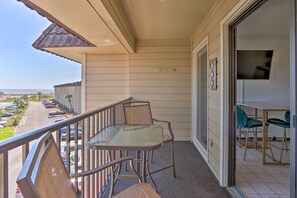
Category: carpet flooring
[193,176]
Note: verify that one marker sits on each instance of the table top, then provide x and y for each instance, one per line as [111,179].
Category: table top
[266,106]
[127,137]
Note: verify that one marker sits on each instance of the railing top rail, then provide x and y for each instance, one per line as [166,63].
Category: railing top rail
[13,142]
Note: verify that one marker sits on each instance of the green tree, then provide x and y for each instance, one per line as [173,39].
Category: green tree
[70,102]
[33,97]
[25,97]
[16,101]
[39,95]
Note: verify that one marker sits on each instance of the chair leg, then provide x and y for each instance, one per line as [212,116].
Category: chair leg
[270,148]
[255,134]
[240,134]
[172,159]
[283,143]
[286,141]
[152,157]
[246,144]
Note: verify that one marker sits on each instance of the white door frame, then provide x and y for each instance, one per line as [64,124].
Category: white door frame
[235,12]
[225,23]
[199,146]
[293,98]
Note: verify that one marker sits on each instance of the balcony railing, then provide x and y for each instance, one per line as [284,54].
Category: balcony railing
[70,136]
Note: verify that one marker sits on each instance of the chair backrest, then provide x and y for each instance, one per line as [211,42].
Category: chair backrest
[287,117]
[138,112]
[43,174]
[241,117]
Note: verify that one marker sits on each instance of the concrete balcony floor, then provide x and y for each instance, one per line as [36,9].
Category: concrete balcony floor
[193,176]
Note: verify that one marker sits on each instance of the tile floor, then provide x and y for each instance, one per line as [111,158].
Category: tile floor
[257,180]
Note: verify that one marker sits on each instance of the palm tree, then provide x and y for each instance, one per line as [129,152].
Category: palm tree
[39,95]
[17,103]
[25,97]
[69,100]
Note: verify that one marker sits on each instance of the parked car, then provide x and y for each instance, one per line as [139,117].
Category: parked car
[18,193]
[59,120]
[11,107]
[63,132]
[6,114]
[3,122]
[49,106]
[54,113]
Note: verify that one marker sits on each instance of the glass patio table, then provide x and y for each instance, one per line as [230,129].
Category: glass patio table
[140,138]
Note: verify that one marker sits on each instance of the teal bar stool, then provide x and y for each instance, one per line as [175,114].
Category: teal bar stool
[244,122]
[284,124]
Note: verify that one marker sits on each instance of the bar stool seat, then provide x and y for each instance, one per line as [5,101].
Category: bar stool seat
[284,124]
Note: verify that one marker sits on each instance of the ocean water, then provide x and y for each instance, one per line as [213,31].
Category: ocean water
[26,91]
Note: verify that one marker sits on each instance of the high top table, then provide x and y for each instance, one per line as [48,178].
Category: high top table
[140,138]
[265,107]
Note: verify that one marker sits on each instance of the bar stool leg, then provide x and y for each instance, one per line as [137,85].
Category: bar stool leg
[255,138]
[269,144]
[286,141]
[246,144]
[283,143]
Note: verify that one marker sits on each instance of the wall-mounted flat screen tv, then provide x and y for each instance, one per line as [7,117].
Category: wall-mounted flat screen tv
[254,64]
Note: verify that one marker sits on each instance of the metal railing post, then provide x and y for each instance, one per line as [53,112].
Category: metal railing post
[25,151]
[92,122]
[4,174]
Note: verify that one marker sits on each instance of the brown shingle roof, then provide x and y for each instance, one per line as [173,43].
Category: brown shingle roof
[78,83]
[56,36]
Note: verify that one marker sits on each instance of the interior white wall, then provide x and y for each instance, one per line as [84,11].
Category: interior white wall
[277,88]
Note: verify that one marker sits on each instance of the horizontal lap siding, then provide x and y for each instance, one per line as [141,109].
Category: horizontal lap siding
[161,74]
[211,28]
[107,80]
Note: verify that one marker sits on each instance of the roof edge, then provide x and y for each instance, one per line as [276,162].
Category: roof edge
[53,20]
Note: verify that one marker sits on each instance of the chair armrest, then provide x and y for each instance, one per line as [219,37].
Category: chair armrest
[169,127]
[100,168]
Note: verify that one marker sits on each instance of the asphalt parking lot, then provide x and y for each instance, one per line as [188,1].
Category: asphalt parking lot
[36,116]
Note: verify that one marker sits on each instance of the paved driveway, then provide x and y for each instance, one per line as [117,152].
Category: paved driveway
[35,117]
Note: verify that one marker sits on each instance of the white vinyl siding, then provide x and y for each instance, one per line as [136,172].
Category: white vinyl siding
[211,28]
[161,74]
[106,80]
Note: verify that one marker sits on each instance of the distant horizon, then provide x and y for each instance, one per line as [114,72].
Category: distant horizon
[24,88]
[26,91]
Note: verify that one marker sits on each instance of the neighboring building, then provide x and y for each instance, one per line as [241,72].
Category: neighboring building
[73,89]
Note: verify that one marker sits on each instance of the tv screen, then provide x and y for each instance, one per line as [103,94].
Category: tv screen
[254,64]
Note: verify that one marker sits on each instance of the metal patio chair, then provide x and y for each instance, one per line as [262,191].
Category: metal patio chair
[286,125]
[250,124]
[139,112]
[44,174]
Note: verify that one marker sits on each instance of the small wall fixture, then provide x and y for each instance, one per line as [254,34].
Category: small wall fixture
[160,69]
[213,74]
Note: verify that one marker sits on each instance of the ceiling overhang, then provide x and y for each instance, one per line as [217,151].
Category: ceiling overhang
[113,26]
[91,22]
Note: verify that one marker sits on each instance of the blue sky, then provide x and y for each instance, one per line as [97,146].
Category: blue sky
[22,66]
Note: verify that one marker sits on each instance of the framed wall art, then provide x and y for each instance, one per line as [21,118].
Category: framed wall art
[213,74]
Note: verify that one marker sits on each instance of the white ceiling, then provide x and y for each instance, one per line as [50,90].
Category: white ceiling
[165,19]
[271,19]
